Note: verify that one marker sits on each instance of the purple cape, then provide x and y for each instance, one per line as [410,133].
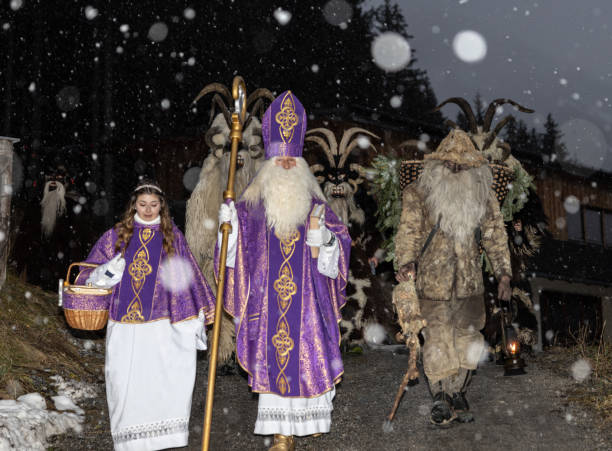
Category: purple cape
[286,312]
[141,296]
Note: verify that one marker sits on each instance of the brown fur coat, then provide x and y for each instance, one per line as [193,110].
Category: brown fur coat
[447,263]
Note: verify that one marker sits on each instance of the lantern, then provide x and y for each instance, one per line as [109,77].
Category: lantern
[513,362]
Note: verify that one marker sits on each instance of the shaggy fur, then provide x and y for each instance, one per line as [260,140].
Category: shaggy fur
[53,205]
[201,219]
[344,207]
[286,194]
[460,199]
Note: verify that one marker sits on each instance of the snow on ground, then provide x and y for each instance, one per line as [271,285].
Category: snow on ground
[26,423]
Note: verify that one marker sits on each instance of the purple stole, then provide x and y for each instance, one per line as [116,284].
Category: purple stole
[142,256]
[287,313]
[284,312]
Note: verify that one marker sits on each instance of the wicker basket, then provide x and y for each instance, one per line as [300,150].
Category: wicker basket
[502,176]
[85,306]
[410,170]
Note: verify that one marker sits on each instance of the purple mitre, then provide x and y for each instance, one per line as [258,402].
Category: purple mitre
[284,126]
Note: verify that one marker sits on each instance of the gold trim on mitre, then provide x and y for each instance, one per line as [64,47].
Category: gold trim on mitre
[286,118]
[458,148]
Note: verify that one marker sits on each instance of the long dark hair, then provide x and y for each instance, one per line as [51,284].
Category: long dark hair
[125,227]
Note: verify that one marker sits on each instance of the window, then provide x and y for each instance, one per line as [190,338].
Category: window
[593,225]
[574,226]
[608,228]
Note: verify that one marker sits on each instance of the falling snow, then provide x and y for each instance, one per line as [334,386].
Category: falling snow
[374,334]
[581,370]
[282,16]
[176,274]
[391,51]
[470,46]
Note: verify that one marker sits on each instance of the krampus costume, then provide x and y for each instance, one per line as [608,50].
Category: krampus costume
[53,231]
[452,208]
[286,304]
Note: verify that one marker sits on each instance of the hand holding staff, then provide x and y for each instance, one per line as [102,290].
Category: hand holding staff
[238,118]
[409,315]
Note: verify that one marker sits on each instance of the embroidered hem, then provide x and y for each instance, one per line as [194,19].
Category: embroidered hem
[151,430]
[293,416]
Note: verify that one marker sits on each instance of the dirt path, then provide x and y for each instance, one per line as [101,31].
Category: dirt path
[512,413]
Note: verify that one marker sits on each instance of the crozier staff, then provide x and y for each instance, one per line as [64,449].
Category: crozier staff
[286,303]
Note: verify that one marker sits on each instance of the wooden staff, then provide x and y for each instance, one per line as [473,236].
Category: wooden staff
[409,315]
[238,118]
[412,343]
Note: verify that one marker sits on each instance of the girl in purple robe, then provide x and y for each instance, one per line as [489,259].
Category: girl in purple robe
[159,307]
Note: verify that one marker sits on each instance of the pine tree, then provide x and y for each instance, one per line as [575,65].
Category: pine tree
[552,146]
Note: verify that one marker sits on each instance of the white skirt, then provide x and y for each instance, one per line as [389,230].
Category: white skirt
[150,373]
[294,416]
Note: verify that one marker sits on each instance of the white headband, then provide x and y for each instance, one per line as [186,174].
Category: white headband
[148,186]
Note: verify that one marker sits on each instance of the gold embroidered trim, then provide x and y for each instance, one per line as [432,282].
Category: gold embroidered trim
[139,269]
[285,288]
[287,118]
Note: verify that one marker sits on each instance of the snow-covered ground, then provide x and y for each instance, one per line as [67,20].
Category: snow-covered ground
[27,423]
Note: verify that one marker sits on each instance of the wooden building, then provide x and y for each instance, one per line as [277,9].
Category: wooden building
[571,277]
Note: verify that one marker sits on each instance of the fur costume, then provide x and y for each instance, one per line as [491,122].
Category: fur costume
[201,221]
[449,279]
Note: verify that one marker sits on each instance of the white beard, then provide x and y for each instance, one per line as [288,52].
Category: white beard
[460,199]
[287,195]
[53,205]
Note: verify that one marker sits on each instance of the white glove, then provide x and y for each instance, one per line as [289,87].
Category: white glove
[228,213]
[319,237]
[109,274]
[201,340]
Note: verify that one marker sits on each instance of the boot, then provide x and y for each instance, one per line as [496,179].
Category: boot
[441,412]
[283,443]
[461,408]
[459,402]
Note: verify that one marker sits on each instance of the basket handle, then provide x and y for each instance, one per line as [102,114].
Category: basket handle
[88,265]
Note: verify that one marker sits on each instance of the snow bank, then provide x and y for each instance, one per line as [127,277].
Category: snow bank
[26,423]
[23,425]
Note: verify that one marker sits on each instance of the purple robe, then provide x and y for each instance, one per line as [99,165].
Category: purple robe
[286,312]
[141,296]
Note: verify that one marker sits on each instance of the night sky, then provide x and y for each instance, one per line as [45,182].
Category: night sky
[554,56]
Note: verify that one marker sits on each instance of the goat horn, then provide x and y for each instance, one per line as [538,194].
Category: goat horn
[359,170]
[450,124]
[330,147]
[215,87]
[346,148]
[501,124]
[212,131]
[257,107]
[475,143]
[488,117]
[316,168]
[258,94]
[226,112]
[507,150]
[465,107]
